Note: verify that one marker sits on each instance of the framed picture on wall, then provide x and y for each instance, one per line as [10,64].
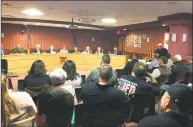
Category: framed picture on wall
[174,37]
[135,36]
[144,36]
[139,41]
[135,45]
[130,45]
[139,36]
[130,37]
[139,45]
[135,41]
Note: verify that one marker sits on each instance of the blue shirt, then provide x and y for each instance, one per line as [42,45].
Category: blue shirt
[154,63]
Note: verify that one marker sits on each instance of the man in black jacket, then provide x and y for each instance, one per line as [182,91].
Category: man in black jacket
[161,50]
[36,50]
[129,66]
[177,69]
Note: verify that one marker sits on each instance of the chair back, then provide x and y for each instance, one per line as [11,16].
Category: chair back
[4,66]
[10,86]
[24,123]
[162,79]
[83,79]
[78,94]
[142,105]
[20,86]
[119,72]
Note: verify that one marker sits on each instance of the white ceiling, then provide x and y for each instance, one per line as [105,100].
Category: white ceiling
[123,11]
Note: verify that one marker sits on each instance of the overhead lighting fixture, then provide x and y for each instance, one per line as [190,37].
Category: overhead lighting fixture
[109,20]
[124,29]
[163,24]
[37,24]
[32,12]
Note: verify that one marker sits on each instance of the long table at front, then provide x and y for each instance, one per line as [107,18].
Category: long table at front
[22,63]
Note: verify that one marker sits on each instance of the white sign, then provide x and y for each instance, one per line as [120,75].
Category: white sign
[174,37]
[184,37]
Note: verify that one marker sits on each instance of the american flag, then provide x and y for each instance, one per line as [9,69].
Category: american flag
[28,40]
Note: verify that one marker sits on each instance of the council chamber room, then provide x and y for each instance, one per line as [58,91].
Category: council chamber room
[96,63]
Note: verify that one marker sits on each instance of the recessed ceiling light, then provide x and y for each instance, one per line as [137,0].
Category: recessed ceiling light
[124,29]
[32,12]
[109,20]
[163,24]
[58,25]
[37,24]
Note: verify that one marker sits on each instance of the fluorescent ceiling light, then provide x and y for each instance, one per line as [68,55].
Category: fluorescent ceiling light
[108,20]
[163,24]
[124,29]
[32,12]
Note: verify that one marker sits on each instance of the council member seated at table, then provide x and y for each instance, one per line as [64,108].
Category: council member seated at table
[64,50]
[116,52]
[87,50]
[75,51]
[2,50]
[36,50]
[18,50]
[94,74]
[99,51]
[51,50]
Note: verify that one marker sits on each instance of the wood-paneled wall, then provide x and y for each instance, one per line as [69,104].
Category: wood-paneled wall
[46,36]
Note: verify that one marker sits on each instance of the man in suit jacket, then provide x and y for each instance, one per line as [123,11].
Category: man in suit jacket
[51,50]
[88,50]
[116,52]
[18,50]
[178,68]
[36,50]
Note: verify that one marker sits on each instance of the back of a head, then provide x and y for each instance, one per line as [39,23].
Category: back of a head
[106,59]
[70,68]
[58,76]
[135,56]
[37,68]
[57,105]
[177,57]
[105,72]
[164,59]
[139,69]
[156,55]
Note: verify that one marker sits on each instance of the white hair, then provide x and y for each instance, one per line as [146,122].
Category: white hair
[178,57]
[58,76]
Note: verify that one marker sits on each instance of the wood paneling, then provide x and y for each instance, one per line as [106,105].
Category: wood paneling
[46,36]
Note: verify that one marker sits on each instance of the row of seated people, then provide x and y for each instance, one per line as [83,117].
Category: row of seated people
[52,50]
[55,98]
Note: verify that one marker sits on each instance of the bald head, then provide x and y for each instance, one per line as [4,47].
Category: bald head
[105,72]
[177,57]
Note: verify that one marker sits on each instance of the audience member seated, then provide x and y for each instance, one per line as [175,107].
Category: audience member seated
[51,50]
[136,83]
[173,108]
[129,66]
[2,50]
[99,51]
[73,78]
[64,50]
[55,108]
[162,70]
[36,50]
[161,51]
[36,80]
[18,50]
[15,106]
[116,52]
[170,62]
[154,63]
[58,77]
[94,75]
[178,69]
[103,92]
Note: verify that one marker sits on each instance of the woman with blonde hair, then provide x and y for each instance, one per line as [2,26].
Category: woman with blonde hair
[16,106]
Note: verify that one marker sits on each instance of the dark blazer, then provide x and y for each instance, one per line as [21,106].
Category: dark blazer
[129,66]
[16,50]
[178,68]
[35,50]
[162,52]
[49,51]
[117,53]
[36,81]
